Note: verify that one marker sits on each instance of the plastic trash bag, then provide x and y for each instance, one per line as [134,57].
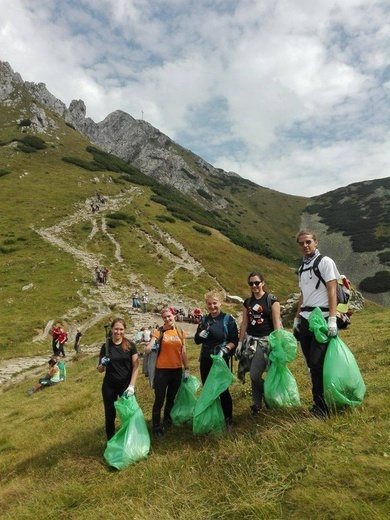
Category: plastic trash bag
[208,414]
[131,442]
[280,386]
[343,382]
[319,326]
[184,406]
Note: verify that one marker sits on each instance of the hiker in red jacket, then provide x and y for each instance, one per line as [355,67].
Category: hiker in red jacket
[62,339]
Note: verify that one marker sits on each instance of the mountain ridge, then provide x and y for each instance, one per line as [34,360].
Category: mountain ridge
[270,218]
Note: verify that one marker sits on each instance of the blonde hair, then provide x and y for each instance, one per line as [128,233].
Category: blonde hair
[214,295]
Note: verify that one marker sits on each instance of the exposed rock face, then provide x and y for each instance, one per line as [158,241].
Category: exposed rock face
[135,141]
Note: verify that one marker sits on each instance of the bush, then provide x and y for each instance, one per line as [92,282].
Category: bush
[379,283]
[165,218]
[204,194]
[181,216]
[4,172]
[32,141]
[201,229]
[129,219]
[25,122]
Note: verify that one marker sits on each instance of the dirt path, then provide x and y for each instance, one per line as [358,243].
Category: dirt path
[99,302]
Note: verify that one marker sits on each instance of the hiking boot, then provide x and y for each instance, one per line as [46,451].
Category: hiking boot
[158,432]
[229,423]
[255,410]
[167,422]
[318,413]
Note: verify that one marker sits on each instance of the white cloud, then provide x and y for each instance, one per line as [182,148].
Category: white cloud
[280,92]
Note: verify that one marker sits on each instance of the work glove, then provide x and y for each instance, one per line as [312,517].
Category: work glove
[296,327]
[187,374]
[332,326]
[105,361]
[238,351]
[223,352]
[129,391]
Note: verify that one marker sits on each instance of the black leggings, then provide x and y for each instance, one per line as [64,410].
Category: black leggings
[226,399]
[110,393]
[314,353]
[166,385]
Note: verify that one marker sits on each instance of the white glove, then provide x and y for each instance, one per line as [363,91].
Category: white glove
[129,391]
[238,349]
[223,352]
[297,324]
[332,326]
[187,373]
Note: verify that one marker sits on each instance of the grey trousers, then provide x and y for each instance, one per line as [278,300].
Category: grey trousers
[258,366]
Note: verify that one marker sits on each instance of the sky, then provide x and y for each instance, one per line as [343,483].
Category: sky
[291,94]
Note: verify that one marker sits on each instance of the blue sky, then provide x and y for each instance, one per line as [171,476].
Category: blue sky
[291,94]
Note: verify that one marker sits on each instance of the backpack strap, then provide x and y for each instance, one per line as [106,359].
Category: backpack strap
[315,269]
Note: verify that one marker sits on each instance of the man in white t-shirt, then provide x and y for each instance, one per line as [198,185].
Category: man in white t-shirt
[314,294]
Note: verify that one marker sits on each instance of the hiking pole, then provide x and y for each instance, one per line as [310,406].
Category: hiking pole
[107,347]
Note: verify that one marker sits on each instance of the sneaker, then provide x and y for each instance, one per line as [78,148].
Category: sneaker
[158,432]
[31,391]
[318,413]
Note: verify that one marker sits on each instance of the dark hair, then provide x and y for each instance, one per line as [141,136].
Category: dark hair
[125,341]
[256,273]
[52,362]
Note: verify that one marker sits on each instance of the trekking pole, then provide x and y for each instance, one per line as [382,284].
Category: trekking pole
[107,347]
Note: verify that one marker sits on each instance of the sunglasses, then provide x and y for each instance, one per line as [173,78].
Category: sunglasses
[305,243]
[257,283]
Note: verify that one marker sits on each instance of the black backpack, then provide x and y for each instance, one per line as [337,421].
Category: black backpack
[343,292]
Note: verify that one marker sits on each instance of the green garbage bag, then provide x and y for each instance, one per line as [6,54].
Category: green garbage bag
[131,442]
[208,414]
[280,386]
[183,408]
[343,382]
[318,325]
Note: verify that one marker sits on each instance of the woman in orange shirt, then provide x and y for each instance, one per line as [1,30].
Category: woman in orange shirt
[172,356]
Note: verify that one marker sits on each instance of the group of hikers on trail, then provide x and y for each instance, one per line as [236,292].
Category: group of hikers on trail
[101,273]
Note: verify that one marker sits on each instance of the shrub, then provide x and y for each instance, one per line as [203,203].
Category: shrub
[201,229]
[4,172]
[165,218]
[25,122]
[379,283]
[33,141]
[204,194]
[129,219]
[181,216]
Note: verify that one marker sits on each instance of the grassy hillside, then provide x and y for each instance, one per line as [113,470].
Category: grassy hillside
[284,464]
[43,194]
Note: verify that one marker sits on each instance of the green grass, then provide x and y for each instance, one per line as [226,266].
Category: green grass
[283,464]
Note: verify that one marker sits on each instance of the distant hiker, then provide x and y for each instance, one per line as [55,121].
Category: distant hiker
[104,272]
[172,355]
[55,334]
[314,295]
[260,316]
[118,359]
[135,298]
[50,379]
[62,339]
[217,332]
[97,273]
[62,367]
[77,340]
[144,301]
